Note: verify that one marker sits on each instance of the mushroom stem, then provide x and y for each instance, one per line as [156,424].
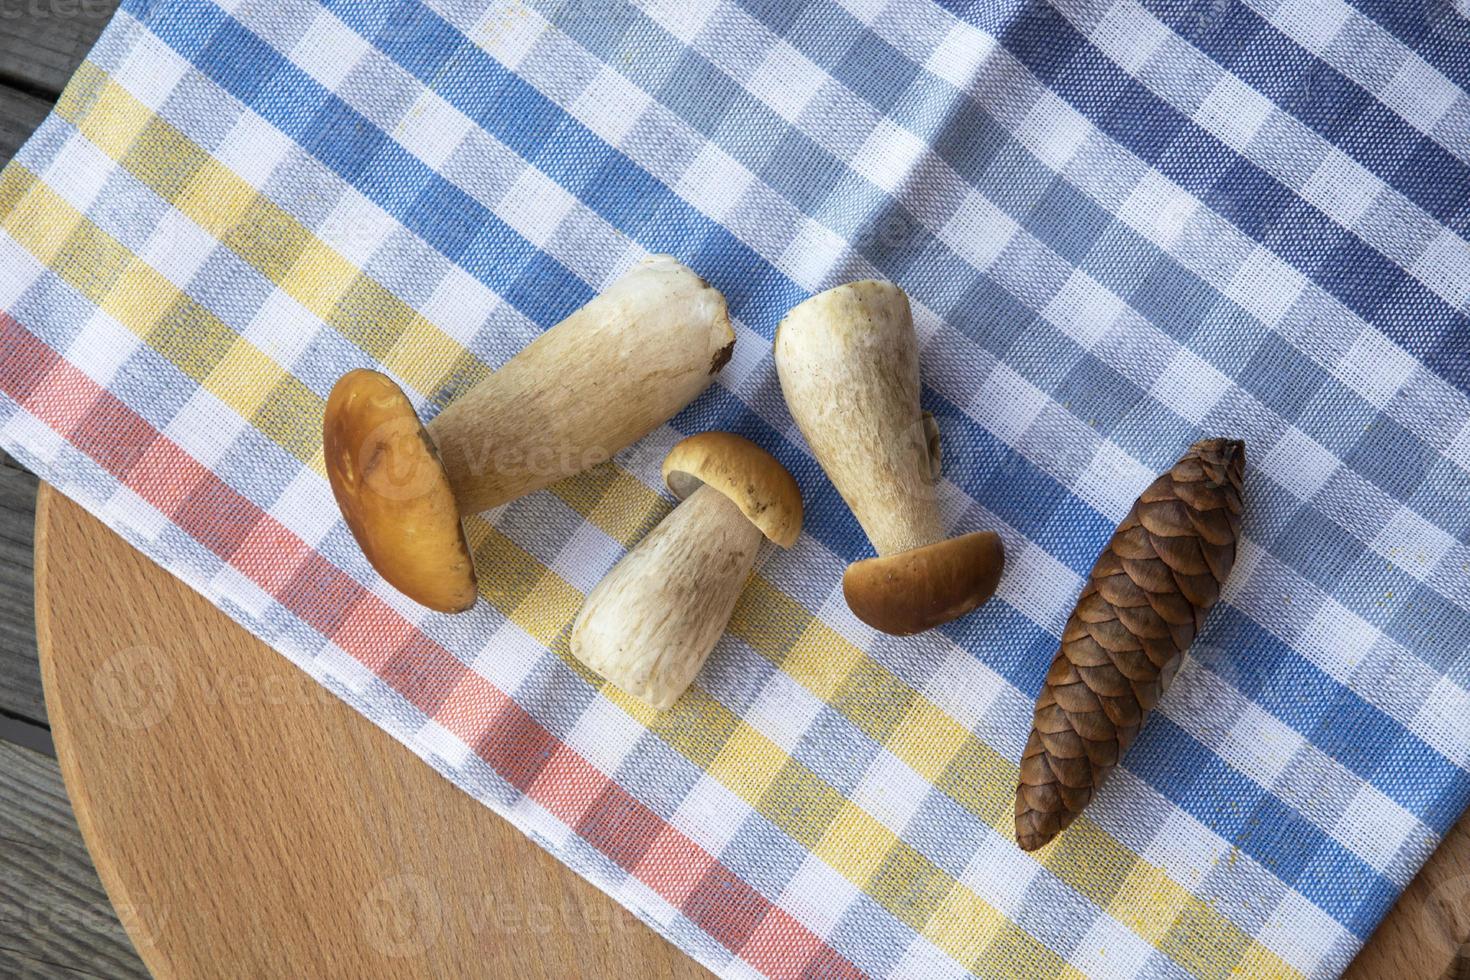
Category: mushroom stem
[598,381]
[849,367]
[650,624]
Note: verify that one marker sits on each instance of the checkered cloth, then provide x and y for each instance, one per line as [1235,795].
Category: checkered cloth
[1124,225]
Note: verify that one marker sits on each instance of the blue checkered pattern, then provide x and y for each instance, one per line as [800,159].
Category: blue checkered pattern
[1124,225]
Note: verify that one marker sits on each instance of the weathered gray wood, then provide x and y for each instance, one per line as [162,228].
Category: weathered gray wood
[20,114]
[20,671]
[55,919]
[42,41]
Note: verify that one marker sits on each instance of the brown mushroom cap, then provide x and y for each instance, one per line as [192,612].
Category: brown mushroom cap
[919,589]
[747,474]
[394,493]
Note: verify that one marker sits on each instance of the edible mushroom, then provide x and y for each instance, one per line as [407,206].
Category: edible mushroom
[849,368]
[650,624]
[593,384]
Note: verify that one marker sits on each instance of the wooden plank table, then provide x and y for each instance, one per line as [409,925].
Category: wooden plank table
[54,917]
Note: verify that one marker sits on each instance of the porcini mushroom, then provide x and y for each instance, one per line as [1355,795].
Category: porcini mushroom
[848,361]
[650,624]
[593,384]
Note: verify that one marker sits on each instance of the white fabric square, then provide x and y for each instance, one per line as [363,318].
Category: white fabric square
[436,739]
[205,427]
[132,511]
[891,791]
[282,328]
[329,50]
[78,172]
[710,815]
[978,231]
[253,149]
[508,31]
[715,182]
[785,80]
[1375,367]
[1054,131]
[177,247]
[784,711]
[507,657]
[962,687]
[611,106]
[1299,932]
[588,555]
[1001,872]
[1376,828]
[888,155]
[605,734]
[1420,92]
[1128,38]
[818,895]
[151,72]
[1007,404]
[1444,266]
[356,228]
[102,346]
[1112,480]
[1109,949]
[1190,386]
[1084,309]
[432,129]
[306,507]
[922,960]
[959,54]
[1312,25]
[1339,637]
[1300,464]
[1233,111]
[460,305]
[1413,543]
[535,206]
[336,664]
[1265,286]
[1158,208]
[1343,188]
[814,251]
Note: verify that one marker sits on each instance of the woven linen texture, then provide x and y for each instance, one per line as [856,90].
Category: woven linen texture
[1124,225]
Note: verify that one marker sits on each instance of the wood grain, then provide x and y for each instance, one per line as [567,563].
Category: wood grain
[20,673]
[250,824]
[42,41]
[53,911]
[20,114]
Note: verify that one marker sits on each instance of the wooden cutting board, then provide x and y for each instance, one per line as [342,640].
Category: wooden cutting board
[247,823]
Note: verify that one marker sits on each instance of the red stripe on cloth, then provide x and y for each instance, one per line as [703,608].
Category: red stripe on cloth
[526,754]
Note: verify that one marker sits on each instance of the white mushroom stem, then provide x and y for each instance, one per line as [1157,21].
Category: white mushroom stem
[849,366]
[597,382]
[650,624]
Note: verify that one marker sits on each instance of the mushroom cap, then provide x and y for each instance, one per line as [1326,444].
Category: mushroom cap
[744,472]
[916,590]
[394,493]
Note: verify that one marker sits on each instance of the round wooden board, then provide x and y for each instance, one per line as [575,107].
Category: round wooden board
[247,823]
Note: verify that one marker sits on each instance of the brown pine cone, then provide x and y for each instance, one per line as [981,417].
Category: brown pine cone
[1148,595]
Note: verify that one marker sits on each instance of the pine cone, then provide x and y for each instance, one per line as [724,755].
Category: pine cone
[1147,596]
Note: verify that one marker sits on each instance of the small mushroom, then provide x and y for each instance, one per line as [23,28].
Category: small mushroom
[651,622]
[848,362]
[593,384]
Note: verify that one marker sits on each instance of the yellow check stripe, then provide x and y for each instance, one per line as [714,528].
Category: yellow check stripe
[1137,893]
[266,236]
[172,323]
[746,762]
[242,377]
[920,734]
